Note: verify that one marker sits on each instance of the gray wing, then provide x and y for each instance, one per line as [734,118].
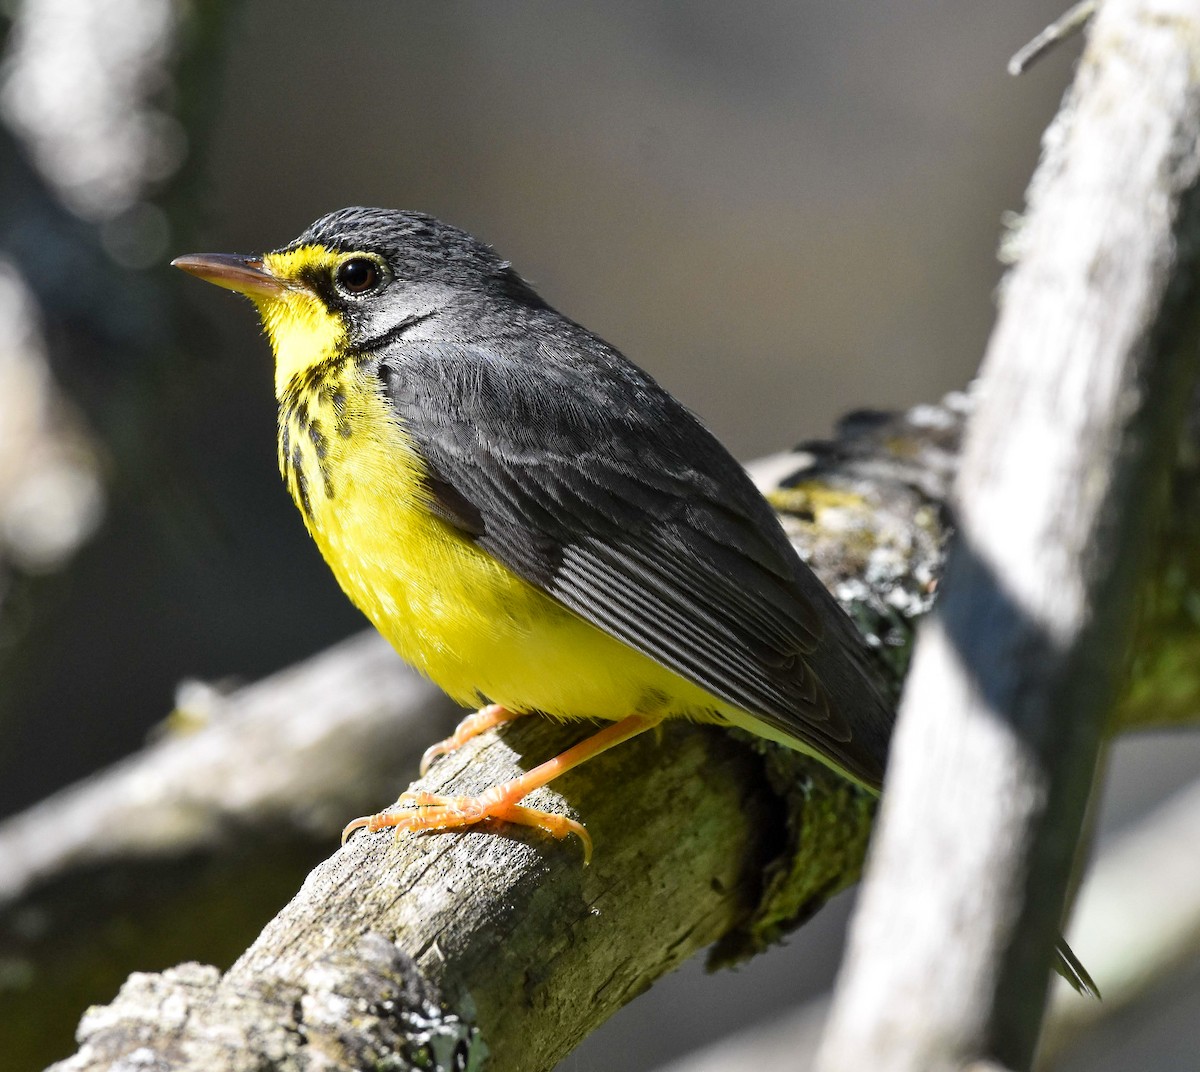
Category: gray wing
[579,473]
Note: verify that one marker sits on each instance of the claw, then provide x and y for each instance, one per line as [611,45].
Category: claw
[557,826]
[363,822]
[419,809]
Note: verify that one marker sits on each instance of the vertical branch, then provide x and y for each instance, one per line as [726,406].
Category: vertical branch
[1059,493]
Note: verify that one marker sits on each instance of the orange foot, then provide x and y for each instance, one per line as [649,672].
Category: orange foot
[426,811]
[471,726]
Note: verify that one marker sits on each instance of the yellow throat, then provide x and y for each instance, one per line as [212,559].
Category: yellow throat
[302,330]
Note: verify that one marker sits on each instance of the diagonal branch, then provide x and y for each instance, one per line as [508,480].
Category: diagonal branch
[698,838]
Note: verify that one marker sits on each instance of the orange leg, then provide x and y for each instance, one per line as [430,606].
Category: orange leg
[427,811]
[471,726]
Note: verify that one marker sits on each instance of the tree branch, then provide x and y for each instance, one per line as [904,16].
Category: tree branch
[698,839]
[514,933]
[1062,480]
[264,777]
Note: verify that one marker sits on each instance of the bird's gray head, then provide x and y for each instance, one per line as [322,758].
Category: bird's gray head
[360,277]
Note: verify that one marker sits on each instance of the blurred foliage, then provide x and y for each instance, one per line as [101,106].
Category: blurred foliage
[783,212]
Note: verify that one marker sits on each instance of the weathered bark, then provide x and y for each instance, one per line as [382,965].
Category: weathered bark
[1139,934]
[1059,495]
[513,932]
[156,846]
[699,839]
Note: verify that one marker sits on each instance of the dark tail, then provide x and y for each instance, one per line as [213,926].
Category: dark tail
[1068,965]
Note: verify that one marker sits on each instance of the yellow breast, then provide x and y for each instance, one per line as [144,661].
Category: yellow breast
[449,608]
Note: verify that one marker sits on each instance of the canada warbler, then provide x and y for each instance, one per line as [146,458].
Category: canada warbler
[529,518]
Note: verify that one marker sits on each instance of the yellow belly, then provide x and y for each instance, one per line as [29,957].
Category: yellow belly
[477,629]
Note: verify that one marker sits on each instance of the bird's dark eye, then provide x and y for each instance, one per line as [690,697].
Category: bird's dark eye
[358,275]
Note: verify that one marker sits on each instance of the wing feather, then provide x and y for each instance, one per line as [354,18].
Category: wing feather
[584,477]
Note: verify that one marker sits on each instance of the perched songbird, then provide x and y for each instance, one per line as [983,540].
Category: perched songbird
[529,518]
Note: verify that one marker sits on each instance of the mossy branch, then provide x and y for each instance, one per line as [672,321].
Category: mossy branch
[496,939]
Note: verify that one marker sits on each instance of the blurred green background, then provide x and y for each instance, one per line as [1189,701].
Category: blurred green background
[783,210]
